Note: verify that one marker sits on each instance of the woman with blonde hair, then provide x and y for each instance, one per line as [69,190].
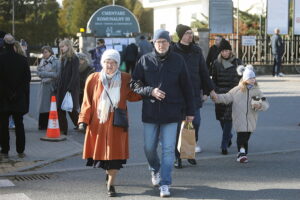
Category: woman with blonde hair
[18,49]
[68,81]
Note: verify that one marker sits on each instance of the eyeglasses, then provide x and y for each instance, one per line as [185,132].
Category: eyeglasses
[189,33]
[161,41]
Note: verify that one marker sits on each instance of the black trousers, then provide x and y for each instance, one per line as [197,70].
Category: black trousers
[130,65]
[43,121]
[63,122]
[19,130]
[242,140]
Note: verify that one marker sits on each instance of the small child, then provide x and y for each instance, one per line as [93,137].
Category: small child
[246,99]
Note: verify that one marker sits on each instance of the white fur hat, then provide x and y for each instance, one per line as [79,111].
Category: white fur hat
[110,54]
[247,72]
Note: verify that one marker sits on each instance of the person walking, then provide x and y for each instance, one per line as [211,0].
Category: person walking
[84,71]
[15,79]
[68,81]
[144,46]
[247,99]
[96,54]
[225,77]
[130,57]
[213,53]
[48,72]
[163,80]
[105,145]
[277,52]
[200,79]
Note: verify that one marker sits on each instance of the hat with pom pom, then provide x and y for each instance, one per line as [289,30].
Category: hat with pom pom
[247,72]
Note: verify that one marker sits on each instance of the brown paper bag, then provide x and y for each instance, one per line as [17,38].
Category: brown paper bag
[186,141]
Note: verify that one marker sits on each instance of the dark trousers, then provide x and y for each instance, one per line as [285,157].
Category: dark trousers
[63,122]
[276,65]
[4,132]
[242,140]
[196,123]
[227,135]
[43,121]
[130,65]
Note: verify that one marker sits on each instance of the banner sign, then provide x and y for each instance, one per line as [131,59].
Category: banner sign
[248,40]
[278,16]
[296,17]
[221,16]
[113,21]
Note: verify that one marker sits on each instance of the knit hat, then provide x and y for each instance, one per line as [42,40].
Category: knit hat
[247,72]
[161,34]
[181,29]
[84,57]
[225,45]
[110,54]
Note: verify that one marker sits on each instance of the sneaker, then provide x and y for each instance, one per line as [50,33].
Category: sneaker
[198,149]
[281,74]
[242,158]
[3,156]
[164,191]
[224,151]
[155,178]
[21,155]
[192,161]
[178,163]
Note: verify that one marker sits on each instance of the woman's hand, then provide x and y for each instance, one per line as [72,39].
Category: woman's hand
[158,94]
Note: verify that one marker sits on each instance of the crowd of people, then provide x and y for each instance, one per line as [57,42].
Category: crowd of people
[172,80]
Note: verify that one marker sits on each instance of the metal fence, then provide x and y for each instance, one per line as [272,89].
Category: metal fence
[261,53]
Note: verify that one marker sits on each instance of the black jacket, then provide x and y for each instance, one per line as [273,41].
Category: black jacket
[212,55]
[277,45]
[225,80]
[198,71]
[15,79]
[169,75]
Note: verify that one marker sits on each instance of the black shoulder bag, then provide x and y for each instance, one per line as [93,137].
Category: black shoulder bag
[120,115]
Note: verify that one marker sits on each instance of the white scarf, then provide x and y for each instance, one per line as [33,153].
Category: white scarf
[111,84]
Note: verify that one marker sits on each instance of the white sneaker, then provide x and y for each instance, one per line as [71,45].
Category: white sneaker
[155,178]
[198,149]
[164,191]
[281,74]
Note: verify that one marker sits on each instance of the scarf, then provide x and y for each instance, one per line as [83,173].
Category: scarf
[226,62]
[111,85]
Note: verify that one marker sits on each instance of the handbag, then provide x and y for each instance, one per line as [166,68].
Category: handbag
[186,141]
[120,115]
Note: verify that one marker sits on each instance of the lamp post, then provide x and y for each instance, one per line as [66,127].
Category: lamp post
[113,2]
[13,17]
[237,29]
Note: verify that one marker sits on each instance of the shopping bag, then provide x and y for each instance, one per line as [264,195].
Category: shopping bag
[67,103]
[187,142]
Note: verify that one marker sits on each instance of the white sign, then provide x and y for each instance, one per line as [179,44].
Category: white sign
[278,16]
[221,16]
[296,17]
[248,40]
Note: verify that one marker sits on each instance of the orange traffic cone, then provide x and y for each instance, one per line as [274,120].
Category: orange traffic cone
[53,131]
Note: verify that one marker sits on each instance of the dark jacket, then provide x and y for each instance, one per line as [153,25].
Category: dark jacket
[212,55]
[224,80]
[169,75]
[15,79]
[277,45]
[131,53]
[196,65]
[68,80]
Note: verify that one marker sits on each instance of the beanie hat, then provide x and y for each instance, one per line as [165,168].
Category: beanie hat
[247,72]
[84,57]
[181,29]
[161,34]
[110,54]
[225,45]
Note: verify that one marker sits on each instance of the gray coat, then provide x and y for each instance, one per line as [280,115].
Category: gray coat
[47,71]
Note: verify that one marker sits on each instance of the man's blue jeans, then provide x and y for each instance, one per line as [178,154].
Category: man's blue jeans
[227,135]
[276,65]
[166,134]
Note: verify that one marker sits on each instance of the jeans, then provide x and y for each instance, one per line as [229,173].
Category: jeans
[4,132]
[277,65]
[166,134]
[196,124]
[227,135]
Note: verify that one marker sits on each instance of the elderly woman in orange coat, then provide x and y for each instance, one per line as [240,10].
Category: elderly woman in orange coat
[105,145]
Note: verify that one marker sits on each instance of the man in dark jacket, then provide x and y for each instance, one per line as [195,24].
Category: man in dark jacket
[14,95]
[201,81]
[213,53]
[277,51]
[130,57]
[162,78]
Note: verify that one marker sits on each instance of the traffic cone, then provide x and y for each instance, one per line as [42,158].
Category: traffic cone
[53,131]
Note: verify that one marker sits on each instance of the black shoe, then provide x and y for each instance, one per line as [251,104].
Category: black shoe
[111,192]
[229,143]
[21,155]
[192,161]
[106,179]
[224,151]
[178,164]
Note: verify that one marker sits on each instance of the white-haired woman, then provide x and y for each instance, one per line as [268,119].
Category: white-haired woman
[47,71]
[68,81]
[105,145]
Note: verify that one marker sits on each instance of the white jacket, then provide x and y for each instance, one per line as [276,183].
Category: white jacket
[244,117]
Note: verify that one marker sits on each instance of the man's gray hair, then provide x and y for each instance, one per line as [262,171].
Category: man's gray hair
[9,39]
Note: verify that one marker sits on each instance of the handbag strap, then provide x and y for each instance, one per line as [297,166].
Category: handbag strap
[109,99]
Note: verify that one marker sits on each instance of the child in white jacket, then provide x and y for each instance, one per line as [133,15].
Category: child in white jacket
[247,99]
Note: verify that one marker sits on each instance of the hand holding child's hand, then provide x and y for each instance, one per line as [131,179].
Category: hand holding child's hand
[257,106]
